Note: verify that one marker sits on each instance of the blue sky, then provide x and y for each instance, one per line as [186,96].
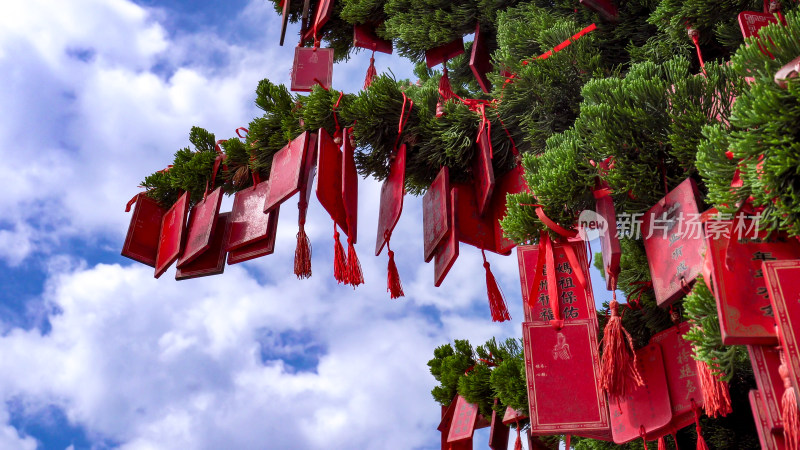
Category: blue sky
[98,354]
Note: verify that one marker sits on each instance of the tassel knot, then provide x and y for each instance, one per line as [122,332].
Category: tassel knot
[497,304]
[371,72]
[393,284]
[354,274]
[716,396]
[618,368]
[302,254]
[339,262]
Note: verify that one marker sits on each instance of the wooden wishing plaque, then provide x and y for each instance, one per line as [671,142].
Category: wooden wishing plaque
[513,416]
[575,303]
[173,229]
[144,232]
[783,286]
[329,178]
[484,172]
[513,182]
[202,223]
[479,60]
[609,241]
[312,66]
[765,360]
[286,174]
[745,314]
[211,261]
[681,372]
[321,16]
[436,213]
[769,439]
[248,222]
[392,193]
[498,433]
[472,228]
[447,251]
[645,407]
[349,185]
[465,417]
[752,21]
[262,247]
[673,240]
[438,55]
[364,37]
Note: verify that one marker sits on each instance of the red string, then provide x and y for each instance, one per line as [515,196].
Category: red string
[403,120]
[335,106]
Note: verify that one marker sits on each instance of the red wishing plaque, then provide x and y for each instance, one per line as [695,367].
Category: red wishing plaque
[447,252]
[768,438]
[364,37]
[349,185]
[392,193]
[284,18]
[646,406]
[465,416]
[211,261]
[436,212]
[609,242]
[681,371]
[202,222]
[444,424]
[144,232]
[309,171]
[673,240]
[575,303]
[513,416]
[513,182]
[312,66]
[563,378]
[783,286]
[262,247]
[479,60]
[745,314]
[173,229]
[248,221]
[470,227]
[498,433]
[751,21]
[321,16]
[438,55]
[286,175]
[483,172]
[329,179]
[765,360]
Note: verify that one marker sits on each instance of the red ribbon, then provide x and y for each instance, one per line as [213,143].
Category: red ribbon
[403,118]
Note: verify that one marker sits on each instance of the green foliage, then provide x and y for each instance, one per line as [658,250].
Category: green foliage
[448,366]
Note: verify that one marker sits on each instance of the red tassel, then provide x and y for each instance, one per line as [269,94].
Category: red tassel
[354,274]
[618,364]
[789,415]
[445,90]
[716,397]
[518,442]
[339,263]
[662,445]
[393,284]
[371,72]
[497,304]
[701,442]
[302,255]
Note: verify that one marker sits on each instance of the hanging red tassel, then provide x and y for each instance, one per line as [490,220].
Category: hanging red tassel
[716,397]
[339,263]
[371,72]
[497,304]
[445,90]
[354,274]
[789,415]
[518,442]
[393,284]
[662,444]
[618,364]
[701,442]
[302,254]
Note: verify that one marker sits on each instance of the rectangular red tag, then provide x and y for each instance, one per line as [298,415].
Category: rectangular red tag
[765,360]
[645,407]
[144,232]
[783,284]
[745,314]
[609,241]
[470,227]
[392,193]
[513,416]
[248,221]
[438,55]
[513,182]
[321,16]
[202,221]
[211,261]
[171,238]
[329,178]
[349,185]
[262,247]
[575,303]
[479,60]
[681,371]
[286,174]
[751,21]
[768,438]
[364,37]
[498,433]
[436,213]
[483,171]
[447,252]
[563,378]
[673,240]
[465,417]
[312,66]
